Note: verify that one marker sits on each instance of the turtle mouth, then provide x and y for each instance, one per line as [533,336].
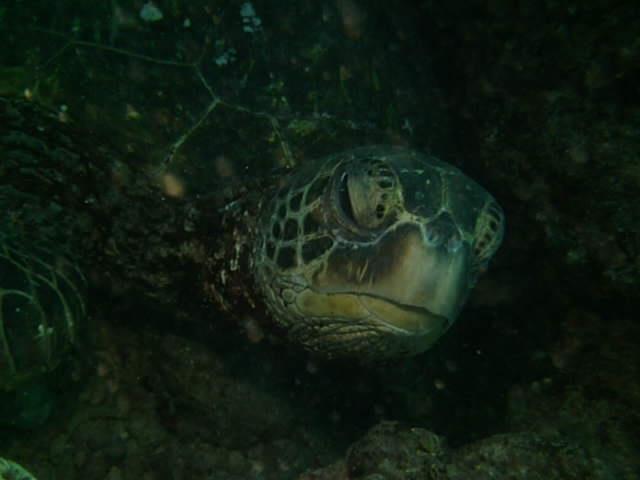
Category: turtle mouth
[393,315]
[364,315]
[402,317]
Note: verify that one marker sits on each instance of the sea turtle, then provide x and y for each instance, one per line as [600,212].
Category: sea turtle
[369,253]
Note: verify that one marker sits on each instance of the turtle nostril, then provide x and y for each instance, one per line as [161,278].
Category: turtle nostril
[454,243]
[433,236]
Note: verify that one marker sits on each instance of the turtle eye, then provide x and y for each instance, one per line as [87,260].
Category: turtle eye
[344,198]
[366,195]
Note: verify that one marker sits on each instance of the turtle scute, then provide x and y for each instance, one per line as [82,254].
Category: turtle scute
[371,253]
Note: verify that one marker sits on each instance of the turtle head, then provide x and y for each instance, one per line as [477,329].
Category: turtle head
[373,252]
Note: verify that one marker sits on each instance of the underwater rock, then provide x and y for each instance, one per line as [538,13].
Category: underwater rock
[390,451]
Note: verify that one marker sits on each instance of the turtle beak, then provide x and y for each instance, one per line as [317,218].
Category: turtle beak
[427,275]
[411,282]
